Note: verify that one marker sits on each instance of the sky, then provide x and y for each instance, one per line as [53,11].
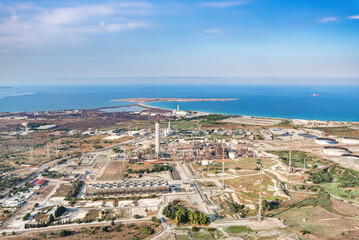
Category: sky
[239,41]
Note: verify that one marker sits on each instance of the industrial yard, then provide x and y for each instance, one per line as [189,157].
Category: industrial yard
[242,177]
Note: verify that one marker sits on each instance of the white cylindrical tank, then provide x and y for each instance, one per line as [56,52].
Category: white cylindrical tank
[350,140]
[232,155]
[335,151]
[325,141]
[350,159]
[157,132]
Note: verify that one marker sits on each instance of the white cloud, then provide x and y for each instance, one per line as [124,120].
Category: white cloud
[223,4]
[214,33]
[328,20]
[354,17]
[213,30]
[34,24]
[126,26]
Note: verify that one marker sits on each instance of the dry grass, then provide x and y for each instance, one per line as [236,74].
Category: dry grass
[114,171]
[63,189]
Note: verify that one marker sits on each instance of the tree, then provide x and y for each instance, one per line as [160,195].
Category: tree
[64,233]
[195,229]
[155,219]
[104,229]
[145,230]
[59,211]
[26,216]
[51,218]
[36,205]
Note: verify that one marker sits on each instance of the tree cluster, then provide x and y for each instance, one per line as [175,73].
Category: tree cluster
[75,189]
[320,176]
[59,211]
[181,215]
[235,207]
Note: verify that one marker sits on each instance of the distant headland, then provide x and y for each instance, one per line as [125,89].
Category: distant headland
[145,100]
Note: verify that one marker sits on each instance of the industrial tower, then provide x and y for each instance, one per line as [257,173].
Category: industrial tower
[157,133]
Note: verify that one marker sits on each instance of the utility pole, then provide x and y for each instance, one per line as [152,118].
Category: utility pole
[48,156]
[290,155]
[260,195]
[31,157]
[305,158]
[223,166]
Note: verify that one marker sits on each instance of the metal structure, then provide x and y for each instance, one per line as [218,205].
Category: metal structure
[157,133]
[260,194]
[31,157]
[48,155]
[290,155]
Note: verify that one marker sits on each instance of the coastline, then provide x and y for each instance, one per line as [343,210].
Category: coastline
[144,100]
[148,106]
[245,116]
[18,95]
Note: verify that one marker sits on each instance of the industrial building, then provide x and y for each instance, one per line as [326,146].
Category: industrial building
[180,113]
[348,140]
[350,159]
[335,151]
[325,141]
[128,188]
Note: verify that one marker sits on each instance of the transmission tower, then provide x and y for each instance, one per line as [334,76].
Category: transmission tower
[223,166]
[260,195]
[48,156]
[31,157]
[290,155]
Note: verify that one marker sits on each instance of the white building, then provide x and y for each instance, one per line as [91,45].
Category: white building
[206,162]
[232,155]
[180,113]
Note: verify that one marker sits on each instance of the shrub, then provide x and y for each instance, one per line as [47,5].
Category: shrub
[26,216]
[195,229]
[59,211]
[64,233]
[136,216]
[104,229]
[155,219]
[305,232]
[145,230]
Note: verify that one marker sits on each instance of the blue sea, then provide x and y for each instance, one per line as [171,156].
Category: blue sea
[335,103]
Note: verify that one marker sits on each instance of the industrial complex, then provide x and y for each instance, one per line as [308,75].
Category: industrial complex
[143,165]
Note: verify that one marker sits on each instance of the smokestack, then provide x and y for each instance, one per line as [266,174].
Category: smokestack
[157,132]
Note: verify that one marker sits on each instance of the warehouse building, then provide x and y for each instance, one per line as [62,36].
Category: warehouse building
[128,188]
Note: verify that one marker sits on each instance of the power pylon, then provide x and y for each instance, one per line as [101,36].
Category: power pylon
[31,157]
[48,156]
[260,194]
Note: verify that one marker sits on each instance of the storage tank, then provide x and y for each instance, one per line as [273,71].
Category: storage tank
[348,140]
[335,151]
[350,159]
[325,141]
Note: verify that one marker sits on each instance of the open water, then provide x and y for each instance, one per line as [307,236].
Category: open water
[335,103]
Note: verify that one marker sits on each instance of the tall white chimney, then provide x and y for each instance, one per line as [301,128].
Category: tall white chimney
[157,132]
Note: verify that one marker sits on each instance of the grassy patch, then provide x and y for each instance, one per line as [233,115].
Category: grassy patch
[238,229]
